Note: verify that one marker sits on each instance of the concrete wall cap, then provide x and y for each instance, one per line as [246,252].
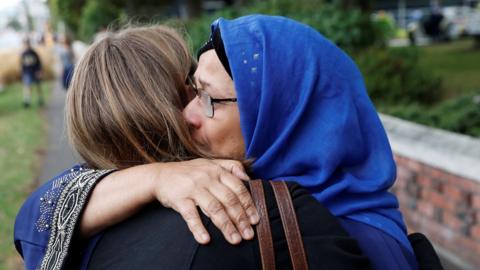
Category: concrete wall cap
[455,153]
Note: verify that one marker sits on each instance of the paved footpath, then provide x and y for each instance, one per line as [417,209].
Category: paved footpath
[59,155]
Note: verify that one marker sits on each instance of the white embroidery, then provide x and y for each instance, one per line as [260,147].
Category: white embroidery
[69,206]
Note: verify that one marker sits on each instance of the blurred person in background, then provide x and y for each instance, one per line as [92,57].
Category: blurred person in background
[67,58]
[31,72]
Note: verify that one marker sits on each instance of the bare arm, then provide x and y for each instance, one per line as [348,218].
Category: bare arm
[116,197]
[213,185]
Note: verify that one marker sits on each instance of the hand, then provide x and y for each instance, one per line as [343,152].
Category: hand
[213,185]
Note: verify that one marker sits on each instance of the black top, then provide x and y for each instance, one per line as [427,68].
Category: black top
[30,62]
[158,238]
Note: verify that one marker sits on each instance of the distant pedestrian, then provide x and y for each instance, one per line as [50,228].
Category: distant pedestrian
[67,58]
[31,68]
[412,33]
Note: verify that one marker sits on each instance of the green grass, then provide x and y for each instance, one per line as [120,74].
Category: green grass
[457,63]
[22,139]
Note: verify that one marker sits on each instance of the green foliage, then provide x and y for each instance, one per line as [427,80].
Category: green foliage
[69,11]
[97,15]
[351,29]
[385,26]
[394,76]
[84,17]
[22,138]
[455,61]
[460,114]
[400,84]
[413,112]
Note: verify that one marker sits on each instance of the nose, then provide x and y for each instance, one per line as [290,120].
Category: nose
[193,113]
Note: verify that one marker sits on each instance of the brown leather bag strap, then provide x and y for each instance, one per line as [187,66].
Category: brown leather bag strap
[290,225]
[263,227]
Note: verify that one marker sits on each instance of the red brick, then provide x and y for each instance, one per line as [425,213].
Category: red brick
[437,185]
[475,201]
[440,201]
[424,181]
[399,159]
[425,194]
[464,183]
[425,208]
[439,233]
[414,165]
[453,222]
[437,173]
[453,179]
[412,221]
[453,192]
[407,175]
[477,217]
[413,190]
[475,232]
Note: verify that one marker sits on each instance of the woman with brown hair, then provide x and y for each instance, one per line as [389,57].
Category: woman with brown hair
[125,109]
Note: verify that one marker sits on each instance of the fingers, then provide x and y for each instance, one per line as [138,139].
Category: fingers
[243,196]
[216,187]
[234,209]
[189,213]
[234,167]
[218,215]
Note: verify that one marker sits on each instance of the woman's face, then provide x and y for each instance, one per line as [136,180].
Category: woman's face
[221,134]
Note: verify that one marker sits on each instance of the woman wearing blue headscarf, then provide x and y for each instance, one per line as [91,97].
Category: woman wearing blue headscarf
[306,117]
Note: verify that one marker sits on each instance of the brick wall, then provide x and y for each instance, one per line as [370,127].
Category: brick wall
[438,187]
[443,206]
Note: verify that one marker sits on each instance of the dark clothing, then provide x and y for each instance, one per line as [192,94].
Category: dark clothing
[426,256]
[67,76]
[158,238]
[31,63]
[382,249]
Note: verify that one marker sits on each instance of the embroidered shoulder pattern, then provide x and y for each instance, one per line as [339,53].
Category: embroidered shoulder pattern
[67,211]
[49,199]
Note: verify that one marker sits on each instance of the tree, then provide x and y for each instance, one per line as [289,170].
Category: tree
[84,17]
[364,5]
[68,11]
[15,24]
[28,16]
[97,15]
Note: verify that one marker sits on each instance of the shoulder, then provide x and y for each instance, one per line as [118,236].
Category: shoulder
[34,218]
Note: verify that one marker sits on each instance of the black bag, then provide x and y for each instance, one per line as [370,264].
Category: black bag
[426,256]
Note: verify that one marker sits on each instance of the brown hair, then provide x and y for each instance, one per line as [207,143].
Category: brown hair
[124,106]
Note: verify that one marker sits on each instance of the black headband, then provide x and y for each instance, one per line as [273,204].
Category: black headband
[215,42]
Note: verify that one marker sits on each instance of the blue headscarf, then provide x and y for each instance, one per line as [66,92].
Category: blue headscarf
[306,117]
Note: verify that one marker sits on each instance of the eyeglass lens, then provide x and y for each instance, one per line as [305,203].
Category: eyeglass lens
[207,103]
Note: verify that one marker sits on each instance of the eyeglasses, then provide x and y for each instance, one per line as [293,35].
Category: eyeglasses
[205,99]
